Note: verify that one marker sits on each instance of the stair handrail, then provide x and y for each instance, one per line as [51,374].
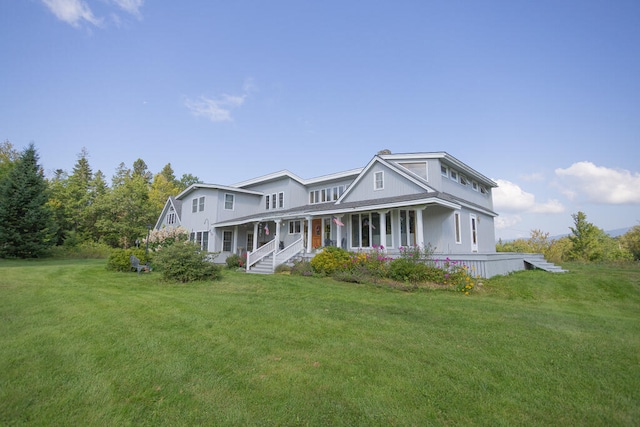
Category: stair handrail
[289,252]
[260,253]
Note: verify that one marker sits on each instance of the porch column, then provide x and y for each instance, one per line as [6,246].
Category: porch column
[255,236]
[277,236]
[419,227]
[309,235]
[234,249]
[339,232]
[383,228]
[212,240]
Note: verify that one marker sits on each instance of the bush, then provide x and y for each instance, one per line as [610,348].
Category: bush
[283,268]
[119,259]
[407,270]
[330,260]
[85,250]
[302,268]
[235,261]
[185,263]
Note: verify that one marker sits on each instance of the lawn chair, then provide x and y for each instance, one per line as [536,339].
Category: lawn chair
[135,263]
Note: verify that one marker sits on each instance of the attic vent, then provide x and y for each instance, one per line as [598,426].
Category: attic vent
[417,168]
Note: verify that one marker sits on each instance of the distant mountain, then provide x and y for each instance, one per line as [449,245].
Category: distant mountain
[618,232]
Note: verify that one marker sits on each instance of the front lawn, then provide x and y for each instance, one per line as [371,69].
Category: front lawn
[80,345]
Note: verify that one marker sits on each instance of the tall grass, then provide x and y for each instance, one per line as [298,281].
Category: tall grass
[83,346]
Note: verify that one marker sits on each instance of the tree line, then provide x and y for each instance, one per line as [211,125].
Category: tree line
[69,209]
[72,209]
[585,243]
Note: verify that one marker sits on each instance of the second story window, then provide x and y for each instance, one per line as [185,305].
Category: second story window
[378,181]
[274,201]
[229,200]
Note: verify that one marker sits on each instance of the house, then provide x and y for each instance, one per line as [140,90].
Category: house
[396,200]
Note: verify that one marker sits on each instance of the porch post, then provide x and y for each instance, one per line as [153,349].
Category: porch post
[234,249]
[339,232]
[212,240]
[309,234]
[255,236]
[419,228]
[383,228]
[277,236]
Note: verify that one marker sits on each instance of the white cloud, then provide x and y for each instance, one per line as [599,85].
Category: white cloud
[72,12]
[219,109]
[509,197]
[584,180]
[76,12]
[130,6]
[506,222]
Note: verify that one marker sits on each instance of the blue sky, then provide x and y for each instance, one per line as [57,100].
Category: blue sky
[541,96]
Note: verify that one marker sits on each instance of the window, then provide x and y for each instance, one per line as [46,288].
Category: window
[407,228]
[267,199]
[281,200]
[474,185]
[417,168]
[250,242]
[444,171]
[171,218]
[464,180]
[378,179]
[194,205]
[229,201]
[366,230]
[201,206]
[201,238]
[294,227]
[484,190]
[227,240]
[456,224]
[454,175]
[273,201]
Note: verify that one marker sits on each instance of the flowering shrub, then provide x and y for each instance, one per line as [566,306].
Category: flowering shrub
[373,263]
[166,237]
[236,261]
[457,275]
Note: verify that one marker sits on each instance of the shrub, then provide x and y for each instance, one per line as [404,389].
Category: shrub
[236,261]
[373,263]
[408,270]
[458,276]
[283,268]
[302,268]
[166,236]
[330,260]
[187,263]
[119,259]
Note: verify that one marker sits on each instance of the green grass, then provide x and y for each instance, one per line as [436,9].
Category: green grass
[80,345]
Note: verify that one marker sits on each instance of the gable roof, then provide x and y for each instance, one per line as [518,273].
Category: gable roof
[174,203]
[399,170]
[287,174]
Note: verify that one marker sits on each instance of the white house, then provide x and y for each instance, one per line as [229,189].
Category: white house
[396,200]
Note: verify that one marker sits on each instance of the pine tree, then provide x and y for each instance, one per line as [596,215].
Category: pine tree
[27,228]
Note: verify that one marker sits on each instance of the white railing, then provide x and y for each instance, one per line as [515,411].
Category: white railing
[261,252]
[289,252]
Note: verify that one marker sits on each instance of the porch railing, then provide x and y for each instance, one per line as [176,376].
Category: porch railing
[260,253]
[289,252]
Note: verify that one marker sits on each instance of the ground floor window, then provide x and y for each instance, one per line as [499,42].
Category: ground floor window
[201,238]
[250,242]
[407,228]
[227,240]
[366,230]
[294,227]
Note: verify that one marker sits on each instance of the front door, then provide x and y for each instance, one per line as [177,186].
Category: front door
[316,233]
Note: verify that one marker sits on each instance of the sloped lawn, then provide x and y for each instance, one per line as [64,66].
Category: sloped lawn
[83,346]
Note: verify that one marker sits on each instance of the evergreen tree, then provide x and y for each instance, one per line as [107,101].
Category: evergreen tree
[27,228]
